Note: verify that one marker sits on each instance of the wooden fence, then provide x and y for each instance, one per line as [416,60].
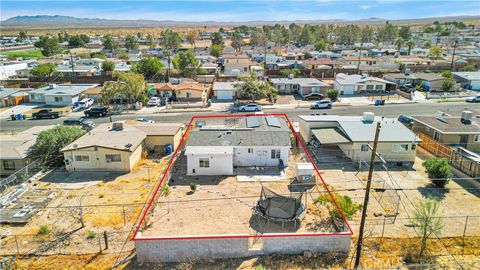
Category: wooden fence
[463,163]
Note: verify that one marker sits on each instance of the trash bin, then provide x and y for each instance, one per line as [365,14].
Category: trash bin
[19,116]
[169,149]
[24,116]
[13,117]
[382,102]
[378,102]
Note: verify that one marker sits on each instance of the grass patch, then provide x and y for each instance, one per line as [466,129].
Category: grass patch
[450,99]
[91,234]
[43,230]
[26,54]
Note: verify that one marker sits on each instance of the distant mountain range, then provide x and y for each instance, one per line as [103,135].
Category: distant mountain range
[59,21]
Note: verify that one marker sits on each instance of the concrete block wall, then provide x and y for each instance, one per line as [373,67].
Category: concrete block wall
[297,245]
[185,250]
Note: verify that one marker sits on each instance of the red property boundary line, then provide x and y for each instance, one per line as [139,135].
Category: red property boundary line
[189,126]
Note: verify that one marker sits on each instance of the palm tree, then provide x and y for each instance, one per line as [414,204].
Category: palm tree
[410,45]
[399,43]
[191,36]
[170,40]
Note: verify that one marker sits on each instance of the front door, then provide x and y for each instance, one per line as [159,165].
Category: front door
[463,140]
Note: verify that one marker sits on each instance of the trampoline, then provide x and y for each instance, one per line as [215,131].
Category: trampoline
[277,208]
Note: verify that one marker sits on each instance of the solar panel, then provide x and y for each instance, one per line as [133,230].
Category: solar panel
[272,121]
[253,121]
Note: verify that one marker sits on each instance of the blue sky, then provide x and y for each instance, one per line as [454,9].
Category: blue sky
[218,10]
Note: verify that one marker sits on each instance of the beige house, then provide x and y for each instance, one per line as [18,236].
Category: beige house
[15,148]
[352,135]
[190,91]
[450,130]
[119,146]
[235,65]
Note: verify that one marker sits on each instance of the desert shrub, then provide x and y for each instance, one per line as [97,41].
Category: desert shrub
[438,170]
[193,186]
[345,203]
[43,230]
[91,234]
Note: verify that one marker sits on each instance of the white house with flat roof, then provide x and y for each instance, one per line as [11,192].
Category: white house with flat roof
[469,80]
[302,86]
[59,94]
[354,84]
[224,90]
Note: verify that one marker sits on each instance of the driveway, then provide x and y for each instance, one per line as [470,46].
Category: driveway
[19,109]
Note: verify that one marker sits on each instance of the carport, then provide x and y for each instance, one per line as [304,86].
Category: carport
[330,136]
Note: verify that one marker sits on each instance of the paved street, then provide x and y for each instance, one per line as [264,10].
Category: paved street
[392,110]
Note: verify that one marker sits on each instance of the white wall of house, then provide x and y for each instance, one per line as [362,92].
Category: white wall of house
[95,159]
[345,89]
[60,100]
[218,164]
[372,86]
[260,156]
[390,151]
[33,97]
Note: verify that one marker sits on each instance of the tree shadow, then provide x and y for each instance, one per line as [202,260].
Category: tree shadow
[433,191]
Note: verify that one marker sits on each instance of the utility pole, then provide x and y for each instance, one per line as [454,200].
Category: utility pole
[265,57]
[453,56]
[367,196]
[73,65]
[359,55]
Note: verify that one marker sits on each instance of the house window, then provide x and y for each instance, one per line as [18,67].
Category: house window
[245,69]
[33,96]
[204,162]
[364,148]
[378,87]
[370,87]
[58,99]
[250,150]
[82,158]
[436,136]
[189,95]
[275,153]
[400,148]
[9,165]
[113,158]
[414,146]
[476,138]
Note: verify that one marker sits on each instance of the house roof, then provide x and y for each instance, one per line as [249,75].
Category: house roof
[18,146]
[357,79]
[321,61]
[163,86]
[158,129]
[228,150]
[5,92]
[224,86]
[242,135]
[330,136]
[63,89]
[187,85]
[300,81]
[471,76]
[235,56]
[448,125]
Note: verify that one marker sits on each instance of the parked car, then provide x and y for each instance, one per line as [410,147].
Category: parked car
[82,122]
[96,111]
[45,113]
[322,104]
[154,101]
[406,119]
[406,87]
[313,96]
[473,99]
[252,107]
[83,104]
[145,120]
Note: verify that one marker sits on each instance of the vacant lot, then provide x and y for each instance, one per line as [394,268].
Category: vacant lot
[26,54]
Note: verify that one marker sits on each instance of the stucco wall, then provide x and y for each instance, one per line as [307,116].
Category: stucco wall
[384,149]
[261,156]
[19,163]
[187,250]
[306,127]
[220,164]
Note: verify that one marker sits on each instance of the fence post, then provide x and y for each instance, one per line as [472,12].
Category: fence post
[105,237]
[464,231]
[124,217]
[99,244]
[16,243]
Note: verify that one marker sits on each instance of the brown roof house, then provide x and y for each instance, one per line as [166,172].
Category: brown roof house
[125,146]
[454,131]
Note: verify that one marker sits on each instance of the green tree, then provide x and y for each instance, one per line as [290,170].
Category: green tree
[131,42]
[287,72]
[438,170]
[97,55]
[321,45]
[447,74]
[109,43]
[447,85]
[217,39]
[191,36]
[187,64]
[305,37]
[49,143]
[148,66]
[108,66]
[426,221]
[130,86]
[22,35]
[78,40]
[436,52]
[49,45]
[387,33]
[170,41]
[237,41]
[399,43]
[151,41]
[216,50]
[45,71]
[405,33]
[410,45]
[252,88]
[427,44]
[123,55]
[332,94]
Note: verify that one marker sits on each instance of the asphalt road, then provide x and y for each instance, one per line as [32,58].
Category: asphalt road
[391,111]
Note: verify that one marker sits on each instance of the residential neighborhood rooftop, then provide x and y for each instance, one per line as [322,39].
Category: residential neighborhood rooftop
[448,124]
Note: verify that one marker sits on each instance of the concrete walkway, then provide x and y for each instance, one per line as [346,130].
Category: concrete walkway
[19,109]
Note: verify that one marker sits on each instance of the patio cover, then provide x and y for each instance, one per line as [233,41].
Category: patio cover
[329,136]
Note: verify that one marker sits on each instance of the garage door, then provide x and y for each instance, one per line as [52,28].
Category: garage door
[224,95]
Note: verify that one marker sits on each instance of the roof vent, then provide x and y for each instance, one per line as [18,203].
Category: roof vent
[52,86]
[117,125]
